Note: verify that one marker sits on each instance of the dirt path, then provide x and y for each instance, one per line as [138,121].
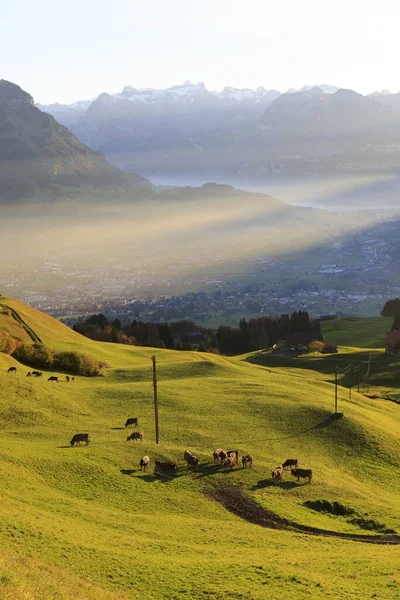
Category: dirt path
[235,500]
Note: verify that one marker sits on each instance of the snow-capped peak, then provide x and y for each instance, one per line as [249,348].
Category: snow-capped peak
[326,89]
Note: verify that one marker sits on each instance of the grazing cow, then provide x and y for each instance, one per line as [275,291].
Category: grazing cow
[72,378]
[219,455]
[28,374]
[290,462]
[67,379]
[234,454]
[191,459]
[303,473]
[247,460]
[79,438]
[36,374]
[228,462]
[136,435]
[39,375]
[132,421]
[53,378]
[164,467]
[144,463]
[12,370]
[277,473]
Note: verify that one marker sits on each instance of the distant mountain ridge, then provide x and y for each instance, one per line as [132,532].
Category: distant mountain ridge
[37,153]
[187,129]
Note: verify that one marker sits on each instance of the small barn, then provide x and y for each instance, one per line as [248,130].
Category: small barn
[330,348]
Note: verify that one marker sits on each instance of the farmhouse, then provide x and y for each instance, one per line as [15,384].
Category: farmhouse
[330,347]
[392,342]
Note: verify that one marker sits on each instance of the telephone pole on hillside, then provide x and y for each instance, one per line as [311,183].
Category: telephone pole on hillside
[153,358]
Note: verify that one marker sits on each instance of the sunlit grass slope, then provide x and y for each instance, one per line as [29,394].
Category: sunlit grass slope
[89,524]
[362,333]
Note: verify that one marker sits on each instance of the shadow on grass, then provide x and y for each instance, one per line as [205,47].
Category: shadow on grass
[117,428]
[69,446]
[128,471]
[283,485]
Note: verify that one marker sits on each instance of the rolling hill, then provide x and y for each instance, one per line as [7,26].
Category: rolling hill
[86,523]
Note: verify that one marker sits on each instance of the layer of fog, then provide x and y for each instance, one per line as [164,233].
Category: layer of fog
[166,238]
[353,192]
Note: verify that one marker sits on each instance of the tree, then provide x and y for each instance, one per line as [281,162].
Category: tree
[316,346]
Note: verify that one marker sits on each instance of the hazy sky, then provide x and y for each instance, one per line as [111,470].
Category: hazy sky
[65,50]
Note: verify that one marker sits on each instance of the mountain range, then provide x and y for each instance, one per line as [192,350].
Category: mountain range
[187,129]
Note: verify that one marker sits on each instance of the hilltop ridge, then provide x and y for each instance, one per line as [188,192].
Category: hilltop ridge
[37,153]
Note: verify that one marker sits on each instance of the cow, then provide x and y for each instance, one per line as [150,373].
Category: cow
[163,467]
[29,374]
[191,459]
[72,378]
[234,454]
[132,421]
[247,460]
[219,455]
[277,473]
[53,378]
[303,473]
[136,435]
[290,462]
[144,463]
[39,374]
[228,462]
[79,438]
[67,379]
[36,374]
[12,370]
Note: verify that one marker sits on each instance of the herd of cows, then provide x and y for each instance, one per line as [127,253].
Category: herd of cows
[40,374]
[227,459]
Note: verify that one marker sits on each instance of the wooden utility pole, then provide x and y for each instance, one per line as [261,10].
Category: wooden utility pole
[336,374]
[153,358]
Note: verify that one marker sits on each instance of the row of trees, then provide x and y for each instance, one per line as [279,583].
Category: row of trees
[186,335]
[264,332]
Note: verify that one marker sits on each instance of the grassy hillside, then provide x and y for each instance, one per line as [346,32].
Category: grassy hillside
[362,333]
[88,524]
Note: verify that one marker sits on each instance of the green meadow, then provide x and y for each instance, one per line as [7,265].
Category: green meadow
[362,333]
[86,523]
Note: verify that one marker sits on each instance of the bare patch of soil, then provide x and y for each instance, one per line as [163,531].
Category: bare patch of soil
[235,500]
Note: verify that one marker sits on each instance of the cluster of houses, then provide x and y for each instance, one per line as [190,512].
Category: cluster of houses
[300,342]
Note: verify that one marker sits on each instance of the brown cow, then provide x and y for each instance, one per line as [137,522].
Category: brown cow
[29,374]
[290,462]
[132,421]
[191,459]
[53,378]
[229,462]
[277,473]
[67,378]
[161,467]
[12,370]
[219,455]
[136,435]
[234,454]
[144,463]
[303,473]
[79,438]
[247,460]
